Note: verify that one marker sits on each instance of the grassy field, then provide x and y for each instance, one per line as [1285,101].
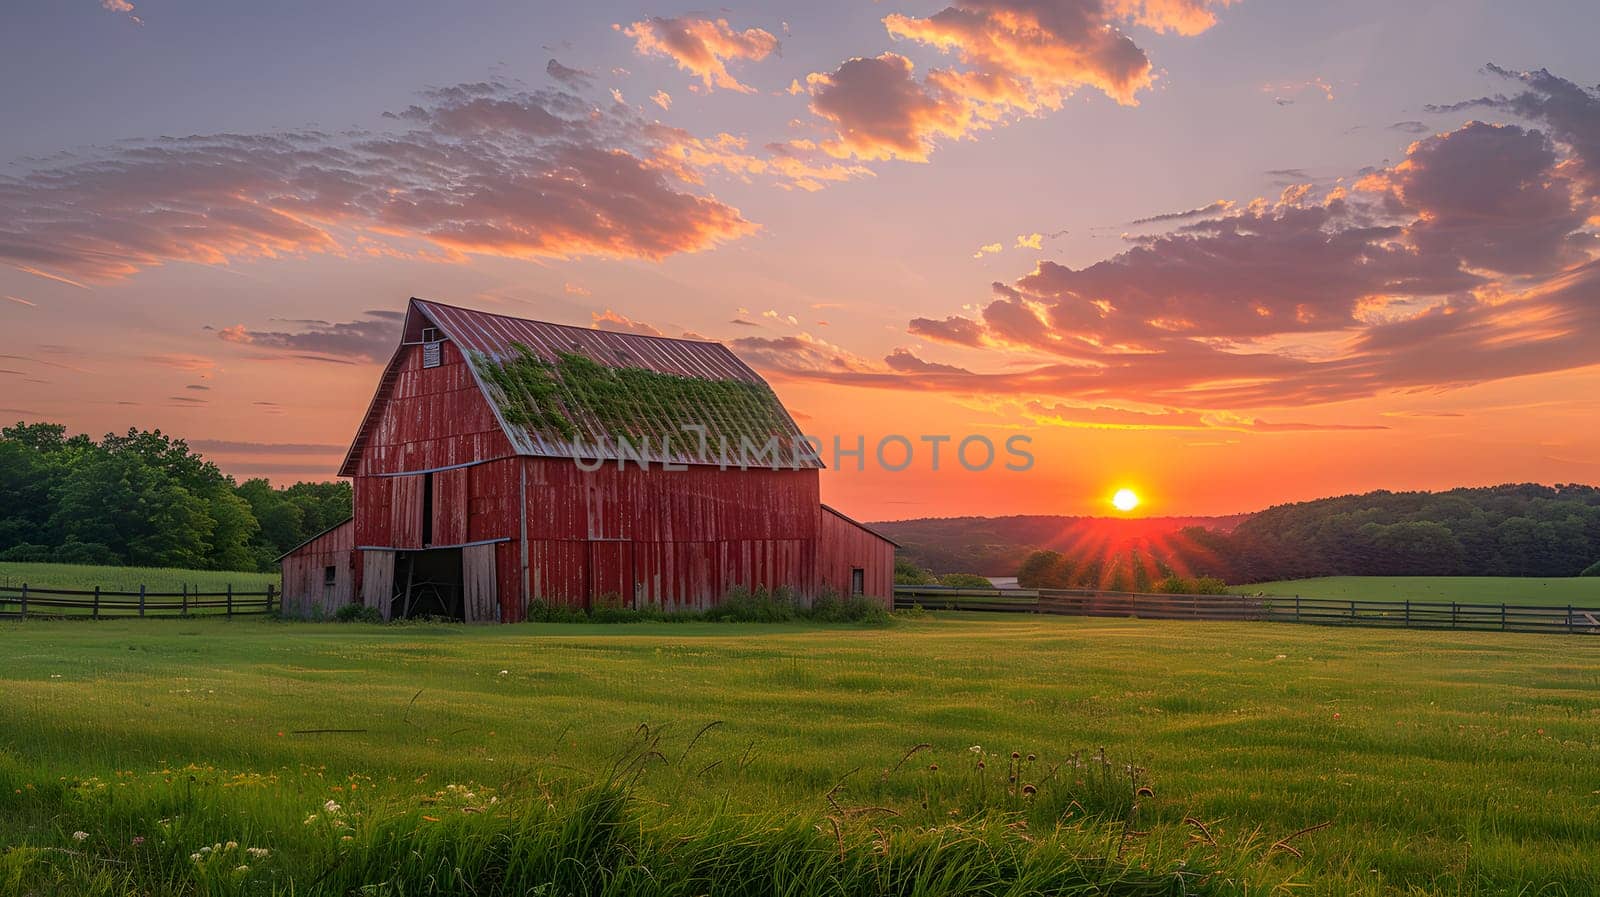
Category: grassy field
[128,579]
[447,759]
[1581,591]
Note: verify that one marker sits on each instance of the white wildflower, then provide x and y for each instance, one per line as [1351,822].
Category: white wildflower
[231,845]
[197,857]
[311,819]
[80,836]
[258,853]
[331,807]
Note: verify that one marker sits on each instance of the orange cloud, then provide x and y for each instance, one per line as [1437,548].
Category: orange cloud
[701,46]
[1021,57]
[477,169]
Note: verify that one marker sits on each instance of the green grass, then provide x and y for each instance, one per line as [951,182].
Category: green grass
[1581,591]
[128,579]
[1441,763]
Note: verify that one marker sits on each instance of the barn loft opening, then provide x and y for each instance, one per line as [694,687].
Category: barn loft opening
[428,584]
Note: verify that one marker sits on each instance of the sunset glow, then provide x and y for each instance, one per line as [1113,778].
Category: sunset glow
[1125,500]
[946,219]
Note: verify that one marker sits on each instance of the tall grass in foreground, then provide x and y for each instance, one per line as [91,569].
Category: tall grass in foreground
[1018,827]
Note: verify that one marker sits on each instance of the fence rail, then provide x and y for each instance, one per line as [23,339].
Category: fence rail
[21,602]
[1569,619]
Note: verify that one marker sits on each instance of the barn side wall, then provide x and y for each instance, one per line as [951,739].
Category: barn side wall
[677,539]
[305,591]
[843,544]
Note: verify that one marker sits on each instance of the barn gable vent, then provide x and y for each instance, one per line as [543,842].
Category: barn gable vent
[430,347]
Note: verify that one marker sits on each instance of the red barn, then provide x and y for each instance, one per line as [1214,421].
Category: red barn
[505,461]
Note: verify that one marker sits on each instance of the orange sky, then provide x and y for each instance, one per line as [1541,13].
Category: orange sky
[1225,254]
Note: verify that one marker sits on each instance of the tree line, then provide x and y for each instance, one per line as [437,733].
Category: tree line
[146,499]
[1511,530]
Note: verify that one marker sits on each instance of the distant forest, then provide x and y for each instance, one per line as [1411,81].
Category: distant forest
[1512,530]
[144,499]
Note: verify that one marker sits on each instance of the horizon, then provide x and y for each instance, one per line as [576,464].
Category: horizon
[1223,254]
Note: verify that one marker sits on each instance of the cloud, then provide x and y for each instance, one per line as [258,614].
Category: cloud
[701,46]
[577,79]
[1410,127]
[879,110]
[988,249]
[233,447]
[19,300]
[1472,259]
[121,6]
[610,320]
[1030,241]
[1570,111]
[193,364]
[1017,58]
[1211,208]
[473,169]
[1285,92]
[370,340]
[1049,48]
[663,99]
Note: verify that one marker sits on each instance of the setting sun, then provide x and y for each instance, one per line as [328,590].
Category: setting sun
[1125,500]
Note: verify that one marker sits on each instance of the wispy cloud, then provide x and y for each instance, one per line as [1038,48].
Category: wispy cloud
[473,169]
[702,46]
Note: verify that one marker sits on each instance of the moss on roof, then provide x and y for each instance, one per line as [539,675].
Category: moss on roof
[579,399]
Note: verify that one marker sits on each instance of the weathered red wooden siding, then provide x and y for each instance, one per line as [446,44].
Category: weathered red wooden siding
[450,506]
[305,592]
[675,538]
[842,544]
[432,418]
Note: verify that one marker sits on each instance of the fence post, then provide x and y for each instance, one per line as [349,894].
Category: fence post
[97,602]
[1452,615]
[269,598]
[1502,617]
[230,600]
[1297,608]
[1408,613]
[25,602]
[141,599]
[1352,613]
[184,611]
[1571,618]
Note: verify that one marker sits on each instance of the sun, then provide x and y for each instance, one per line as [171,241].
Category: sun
[1125,500]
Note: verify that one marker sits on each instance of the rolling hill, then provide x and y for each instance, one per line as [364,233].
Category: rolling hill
[995,546]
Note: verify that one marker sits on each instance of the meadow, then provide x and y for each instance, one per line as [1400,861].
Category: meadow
[944,754]
[128,579]
[1582,591]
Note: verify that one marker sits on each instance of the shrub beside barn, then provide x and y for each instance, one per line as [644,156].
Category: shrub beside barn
[504,461]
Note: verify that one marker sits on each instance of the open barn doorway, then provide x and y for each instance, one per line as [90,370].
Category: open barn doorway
[428,584]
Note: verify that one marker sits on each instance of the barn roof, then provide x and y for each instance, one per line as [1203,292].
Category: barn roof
[562,391]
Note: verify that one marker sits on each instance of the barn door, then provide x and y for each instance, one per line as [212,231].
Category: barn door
[480,599]
[377,580]
[610,574]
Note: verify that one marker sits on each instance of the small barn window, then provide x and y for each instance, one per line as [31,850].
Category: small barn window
[330,575]
[858,582]
[430,334]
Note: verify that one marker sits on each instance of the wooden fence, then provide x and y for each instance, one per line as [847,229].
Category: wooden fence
[21,602]
[1324,611]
